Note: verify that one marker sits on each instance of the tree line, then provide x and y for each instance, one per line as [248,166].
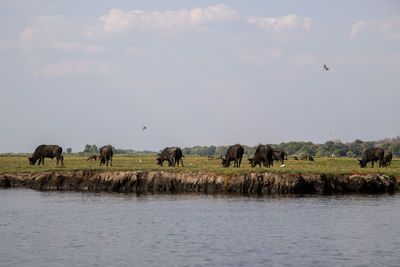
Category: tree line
[329,148]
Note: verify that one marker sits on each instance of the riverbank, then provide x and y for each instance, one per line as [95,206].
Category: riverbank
[200,182]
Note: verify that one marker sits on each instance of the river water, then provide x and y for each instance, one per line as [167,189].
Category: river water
[90,229]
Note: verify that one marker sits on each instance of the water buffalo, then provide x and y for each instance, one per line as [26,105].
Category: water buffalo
[106,154]
[235,153]
[306,157]
[92,157]
[295,158]
[372,155]
[387,158]
[47,151]
[278,155]
[263,155]
[173,155]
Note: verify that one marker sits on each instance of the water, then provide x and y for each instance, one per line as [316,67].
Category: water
[88,229]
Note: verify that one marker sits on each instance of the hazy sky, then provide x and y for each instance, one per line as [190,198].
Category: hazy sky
[197,72]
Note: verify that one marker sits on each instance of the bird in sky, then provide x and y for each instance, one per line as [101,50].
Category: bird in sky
[144,128]
[326,68]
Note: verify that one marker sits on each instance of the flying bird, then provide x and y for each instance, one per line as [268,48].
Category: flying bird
[326,68]
[144,128]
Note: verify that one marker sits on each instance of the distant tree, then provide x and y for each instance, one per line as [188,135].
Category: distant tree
[396,149]
[187,151]
[69,150]
[91,149]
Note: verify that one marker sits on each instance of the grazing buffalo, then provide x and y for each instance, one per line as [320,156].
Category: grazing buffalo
[263,155]
[278,155]
[171,154]
[106,154]
[295,158]
[47,151]
[235,153]
[387,158]
[306,157]
[92,157]
[372,155]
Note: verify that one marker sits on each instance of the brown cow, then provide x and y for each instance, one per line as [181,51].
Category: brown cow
[106,154]
[47,151]
[263,155]
[171,154]
[92,157]
[234,153]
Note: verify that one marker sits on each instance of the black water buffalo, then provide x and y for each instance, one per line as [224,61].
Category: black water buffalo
[278,155]
[106,154]
[372,155]
[47,151]
[263,155]
[295,158]
[92,157]
[173,155]
[387,158]
[234,153]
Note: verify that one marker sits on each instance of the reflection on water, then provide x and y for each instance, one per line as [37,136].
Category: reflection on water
[81,229]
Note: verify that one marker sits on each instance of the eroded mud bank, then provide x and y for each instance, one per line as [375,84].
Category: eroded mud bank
[173,182]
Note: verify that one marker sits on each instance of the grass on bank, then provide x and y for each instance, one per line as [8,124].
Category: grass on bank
[10,163]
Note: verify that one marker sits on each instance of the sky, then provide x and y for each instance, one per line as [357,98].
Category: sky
[197,72]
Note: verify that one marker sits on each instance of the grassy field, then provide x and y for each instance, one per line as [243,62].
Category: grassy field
[146,162]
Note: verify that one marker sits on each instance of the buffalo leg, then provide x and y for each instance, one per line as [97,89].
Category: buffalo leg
[111,161]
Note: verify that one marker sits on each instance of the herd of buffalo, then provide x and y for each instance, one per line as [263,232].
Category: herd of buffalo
[264,154]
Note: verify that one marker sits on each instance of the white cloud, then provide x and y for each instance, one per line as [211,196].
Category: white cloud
[74,68]
[389,26]
[286,23]
[32,35]
[45,32]
[119,21]
[42,29]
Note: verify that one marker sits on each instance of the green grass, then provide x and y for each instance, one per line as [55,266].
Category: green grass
[329,166]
